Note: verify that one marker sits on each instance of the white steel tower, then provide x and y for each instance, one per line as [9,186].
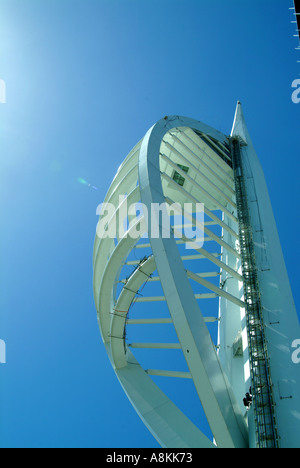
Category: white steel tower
[216,313]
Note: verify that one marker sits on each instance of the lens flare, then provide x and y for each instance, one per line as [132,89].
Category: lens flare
[82,181]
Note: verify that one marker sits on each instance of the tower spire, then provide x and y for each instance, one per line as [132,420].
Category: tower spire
[239,125]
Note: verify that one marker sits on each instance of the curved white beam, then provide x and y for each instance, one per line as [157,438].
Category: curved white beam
[165,421]
[222,411]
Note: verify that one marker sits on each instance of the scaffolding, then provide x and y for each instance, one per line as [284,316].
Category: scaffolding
[261,384]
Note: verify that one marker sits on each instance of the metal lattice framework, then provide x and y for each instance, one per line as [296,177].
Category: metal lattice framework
[178,161]
[261,383]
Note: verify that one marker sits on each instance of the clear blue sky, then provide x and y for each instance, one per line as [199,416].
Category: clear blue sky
[85,80]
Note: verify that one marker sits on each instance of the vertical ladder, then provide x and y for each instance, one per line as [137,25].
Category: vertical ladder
[261,385]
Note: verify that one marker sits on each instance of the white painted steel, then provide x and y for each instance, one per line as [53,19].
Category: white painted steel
[279,313]
[214,390]
[147,175]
